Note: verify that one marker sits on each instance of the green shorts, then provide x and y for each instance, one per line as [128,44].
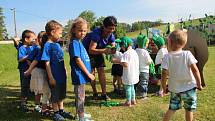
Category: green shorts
[189,98]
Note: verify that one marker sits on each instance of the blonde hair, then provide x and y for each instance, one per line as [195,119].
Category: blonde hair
[52,25]
[76,22]
[178,39]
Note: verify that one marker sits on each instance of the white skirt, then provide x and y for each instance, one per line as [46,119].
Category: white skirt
[39,81]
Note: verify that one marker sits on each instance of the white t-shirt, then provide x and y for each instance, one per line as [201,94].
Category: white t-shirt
[117,55]
[180,75]
[144,60]
[160,55]
[131,73]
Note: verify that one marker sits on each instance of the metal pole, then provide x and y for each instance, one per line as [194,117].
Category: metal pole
[14,20]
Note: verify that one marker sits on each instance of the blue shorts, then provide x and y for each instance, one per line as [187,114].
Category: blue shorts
[188,97]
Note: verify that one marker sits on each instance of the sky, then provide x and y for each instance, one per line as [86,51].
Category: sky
[34,14]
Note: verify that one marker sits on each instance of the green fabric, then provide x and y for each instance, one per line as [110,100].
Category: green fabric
[152,68]
[158,40]
[109,103]
[141,41]
[125,41]
[117,40]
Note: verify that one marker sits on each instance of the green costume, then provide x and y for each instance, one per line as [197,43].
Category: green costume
[158,40]
[142,40]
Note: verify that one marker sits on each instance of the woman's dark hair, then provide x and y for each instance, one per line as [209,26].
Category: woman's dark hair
[44,40]
[110,21]
[26,34]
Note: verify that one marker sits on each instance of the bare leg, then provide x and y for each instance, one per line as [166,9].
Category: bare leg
[93,83]
[119,82]
[189,115]
[37,99]
[102,79]
[60,105]
[55,107]
[168,115]
[114,82]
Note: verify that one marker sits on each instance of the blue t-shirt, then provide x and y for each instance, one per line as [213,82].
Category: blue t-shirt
[18,46]
[96,36]
[77,50]
[53,53]
[36,54]
[23,52]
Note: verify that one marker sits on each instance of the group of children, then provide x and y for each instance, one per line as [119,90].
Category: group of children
[41,65]
[42,69]
[172,63]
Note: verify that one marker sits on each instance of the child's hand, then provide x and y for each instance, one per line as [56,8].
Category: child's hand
[27,73]
[52,82]
[113,50]
[107,51]
[200,88]
[91,76]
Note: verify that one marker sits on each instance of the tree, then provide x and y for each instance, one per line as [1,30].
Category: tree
[120,32]
[99,22]
[126,27]
[66,30]
[89,16]
[3,31]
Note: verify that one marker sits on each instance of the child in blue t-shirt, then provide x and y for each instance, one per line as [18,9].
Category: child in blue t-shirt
[80,65]
[54,60]
[39,79]
[23,52]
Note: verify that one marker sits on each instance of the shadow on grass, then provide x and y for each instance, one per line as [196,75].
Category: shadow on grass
[9,106]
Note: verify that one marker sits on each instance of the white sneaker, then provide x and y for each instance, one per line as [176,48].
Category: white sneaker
[37,108]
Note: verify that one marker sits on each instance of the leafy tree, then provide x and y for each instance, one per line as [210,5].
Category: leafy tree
[98,22]
[120,31]
[126,27]
[66,29]
[89,16]
[3,31]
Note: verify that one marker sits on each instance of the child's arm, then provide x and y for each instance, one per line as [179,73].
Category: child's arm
[115,60]
[124,64]
[50,76]
[164,80]
[196,74]
[81,65]
[23,59]
[32,66]
[94,50]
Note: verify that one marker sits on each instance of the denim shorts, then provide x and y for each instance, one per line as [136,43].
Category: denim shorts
[189,98]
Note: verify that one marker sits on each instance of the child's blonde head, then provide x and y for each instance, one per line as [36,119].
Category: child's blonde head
[177,39]
[77,22]
[52,25]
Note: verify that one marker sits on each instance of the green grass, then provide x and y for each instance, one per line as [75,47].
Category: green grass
[152,109]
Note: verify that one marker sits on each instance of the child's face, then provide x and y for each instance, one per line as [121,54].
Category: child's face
[56,34]
[31,39]
[147,43]
[80,31]
[123,48]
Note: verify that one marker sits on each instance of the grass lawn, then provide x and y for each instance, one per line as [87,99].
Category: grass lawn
[152,109]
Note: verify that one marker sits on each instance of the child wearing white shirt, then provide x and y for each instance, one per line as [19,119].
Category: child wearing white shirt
[184,76]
